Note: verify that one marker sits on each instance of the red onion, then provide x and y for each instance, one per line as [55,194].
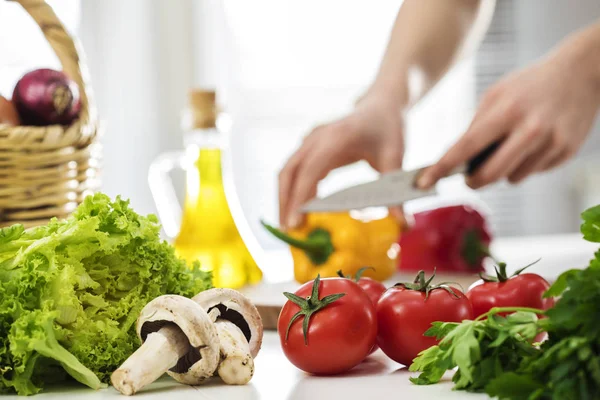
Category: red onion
[46,97]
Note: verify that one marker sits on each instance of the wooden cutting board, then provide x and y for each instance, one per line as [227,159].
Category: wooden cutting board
[269,315]
[269,298]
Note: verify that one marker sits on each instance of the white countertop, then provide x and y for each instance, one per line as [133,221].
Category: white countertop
[277,379]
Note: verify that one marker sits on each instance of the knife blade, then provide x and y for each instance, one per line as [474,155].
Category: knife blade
[391,189]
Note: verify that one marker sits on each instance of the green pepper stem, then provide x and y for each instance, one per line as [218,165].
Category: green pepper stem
[311,245]
[474,249]
[317,246]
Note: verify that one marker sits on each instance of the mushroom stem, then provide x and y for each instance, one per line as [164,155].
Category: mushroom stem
[160,352]
[237,365]
[213,314]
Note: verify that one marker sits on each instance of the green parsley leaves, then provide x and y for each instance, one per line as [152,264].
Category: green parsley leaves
[481,349]
[497,355]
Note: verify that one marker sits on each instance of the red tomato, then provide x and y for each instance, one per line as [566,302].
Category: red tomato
[403,315]
[339,335]
[374,289]
[518,290]
[524,290]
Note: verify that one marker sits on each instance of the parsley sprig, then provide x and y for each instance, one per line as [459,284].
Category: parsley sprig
[481,349]
[498,354]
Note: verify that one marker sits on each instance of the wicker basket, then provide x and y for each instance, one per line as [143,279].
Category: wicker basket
[46,171]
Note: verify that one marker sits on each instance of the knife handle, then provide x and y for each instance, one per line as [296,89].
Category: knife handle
[481,158]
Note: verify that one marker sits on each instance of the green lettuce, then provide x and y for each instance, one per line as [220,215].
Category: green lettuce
[71,291]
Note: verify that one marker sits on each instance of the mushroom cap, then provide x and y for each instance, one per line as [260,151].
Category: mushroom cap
[202,359]
[237,308]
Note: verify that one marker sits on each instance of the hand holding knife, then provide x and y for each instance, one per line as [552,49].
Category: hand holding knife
[391,189]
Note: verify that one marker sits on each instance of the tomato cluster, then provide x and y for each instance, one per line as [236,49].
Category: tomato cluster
[331,325]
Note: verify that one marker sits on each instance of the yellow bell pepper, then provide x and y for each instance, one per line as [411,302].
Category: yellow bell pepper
[328,242]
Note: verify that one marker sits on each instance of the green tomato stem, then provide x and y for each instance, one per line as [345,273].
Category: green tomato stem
[309,306]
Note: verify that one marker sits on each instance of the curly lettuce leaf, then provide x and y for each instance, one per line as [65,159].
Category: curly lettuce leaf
[71,291]
[32,336]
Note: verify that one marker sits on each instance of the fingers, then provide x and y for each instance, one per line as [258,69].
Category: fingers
[323,150]
[562,150]
[555,152]
[305,188]
[390,158]
[534,162]
[557,160]
[286,179]
[485,129]
[521,143]
[315,166]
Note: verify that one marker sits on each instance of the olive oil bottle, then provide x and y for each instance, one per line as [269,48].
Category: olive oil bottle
[208,232]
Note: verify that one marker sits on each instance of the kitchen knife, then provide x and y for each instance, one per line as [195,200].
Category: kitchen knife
[391,189]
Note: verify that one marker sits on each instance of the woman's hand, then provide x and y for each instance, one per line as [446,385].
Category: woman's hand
[541,114]
[428,36]
[372,132]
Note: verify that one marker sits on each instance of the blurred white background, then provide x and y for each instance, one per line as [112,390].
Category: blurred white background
[281,67]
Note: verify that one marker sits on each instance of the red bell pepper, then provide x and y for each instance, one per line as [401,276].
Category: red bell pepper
[449,239]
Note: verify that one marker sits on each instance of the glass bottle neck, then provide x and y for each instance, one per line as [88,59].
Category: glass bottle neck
[208,164]
[205,139]
[203,171]
[211,136]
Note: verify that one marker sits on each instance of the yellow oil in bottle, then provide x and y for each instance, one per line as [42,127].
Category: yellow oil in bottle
[208,231]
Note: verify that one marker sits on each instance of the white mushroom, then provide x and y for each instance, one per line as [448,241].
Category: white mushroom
[240,331]
[178,338]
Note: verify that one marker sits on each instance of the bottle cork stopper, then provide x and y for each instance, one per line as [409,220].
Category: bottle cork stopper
[203,108]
